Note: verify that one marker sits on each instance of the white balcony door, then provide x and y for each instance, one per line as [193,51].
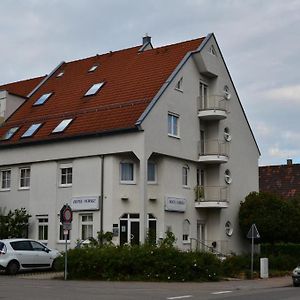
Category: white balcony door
[201,235]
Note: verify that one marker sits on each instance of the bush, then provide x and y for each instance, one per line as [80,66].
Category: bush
[142,263]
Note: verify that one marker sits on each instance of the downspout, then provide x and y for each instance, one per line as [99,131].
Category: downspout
[101,199]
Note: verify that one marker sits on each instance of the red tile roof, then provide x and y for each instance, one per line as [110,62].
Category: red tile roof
[283,180]
[132,79]
[22,88]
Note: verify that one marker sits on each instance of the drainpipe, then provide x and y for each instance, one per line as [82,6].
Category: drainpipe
[101,199]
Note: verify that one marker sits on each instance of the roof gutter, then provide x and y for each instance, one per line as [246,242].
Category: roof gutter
[45,79]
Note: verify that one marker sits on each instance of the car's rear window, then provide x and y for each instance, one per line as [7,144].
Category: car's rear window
[1,246]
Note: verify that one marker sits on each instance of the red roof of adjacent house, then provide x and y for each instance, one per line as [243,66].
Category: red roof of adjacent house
[283,180]
[131,80]
[22,88]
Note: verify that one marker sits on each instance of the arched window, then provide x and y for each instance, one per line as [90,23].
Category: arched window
[186,231]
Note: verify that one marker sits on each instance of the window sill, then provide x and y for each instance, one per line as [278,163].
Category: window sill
[152,182]
[128,182]
[187,187]
[65,185]
[186,242]
[178,90]
[174,136]
[63,242]
[24,188]
[4,190]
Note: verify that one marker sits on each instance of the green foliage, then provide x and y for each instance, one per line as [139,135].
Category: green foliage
[168,241]
[142,263]
[14,224]
[102,239]
[276,219]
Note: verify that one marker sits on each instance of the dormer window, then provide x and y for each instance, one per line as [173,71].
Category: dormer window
[62,125]
[60,74]
[179,85]
[10,133]
[31,130]
[42,99]
[94,89]
[93,68]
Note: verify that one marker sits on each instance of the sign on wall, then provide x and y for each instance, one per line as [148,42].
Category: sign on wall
[175,204]
[85,203]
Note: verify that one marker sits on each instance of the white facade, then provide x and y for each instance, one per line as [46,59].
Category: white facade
[182,141]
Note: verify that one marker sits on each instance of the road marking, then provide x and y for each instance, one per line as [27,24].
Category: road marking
[180,297]
[222,292]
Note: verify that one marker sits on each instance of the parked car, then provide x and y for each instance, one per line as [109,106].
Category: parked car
[296,276]
[25,254]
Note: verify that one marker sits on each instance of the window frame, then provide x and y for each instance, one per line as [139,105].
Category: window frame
[24,187]
[10,133]
[186,231]
[89,91]
[125,181]
[61,231]
[61,175]
[185,176]
[86,223]
[43,225]
[179,85]
[41,101]
[5,187]
[171,131]
[62,126]
[155,172]
[28,133]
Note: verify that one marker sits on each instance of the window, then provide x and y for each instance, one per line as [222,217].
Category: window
[93,68]
[179,85]
[127,172]
[10,133]
[212,50]
[151,229]
[203,96]
[31,130]
[186,231]
[228,228]
[42,99]
[151,172]
[227,176]
[86,226]
[66,175]
[61,234]
[227,94]
[94,89]
[24,178]
[62,126]
[5,179]
[60,74]
[43,229]
[227,135]
[173,129]
[185,172]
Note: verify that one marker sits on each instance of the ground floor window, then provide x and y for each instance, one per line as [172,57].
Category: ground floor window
[86,226]
[186,231]
[61,234]
[43,229]
[151,229]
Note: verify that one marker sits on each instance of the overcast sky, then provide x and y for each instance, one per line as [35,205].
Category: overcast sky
[260,41]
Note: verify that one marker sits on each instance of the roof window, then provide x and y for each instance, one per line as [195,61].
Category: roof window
[62,125]
[31,130]
[9,134]
[42,99]
[94,89]
[93,68]
[60,74]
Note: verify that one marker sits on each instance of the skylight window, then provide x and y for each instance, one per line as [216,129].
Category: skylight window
[9,134]
[60,74]
[62,126]
[94,89]
[31,130]
[42,99]
[93,68]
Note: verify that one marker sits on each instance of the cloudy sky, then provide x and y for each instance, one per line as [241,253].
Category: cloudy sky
[259,39]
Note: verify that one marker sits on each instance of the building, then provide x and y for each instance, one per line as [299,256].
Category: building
[282,180]
[137,140]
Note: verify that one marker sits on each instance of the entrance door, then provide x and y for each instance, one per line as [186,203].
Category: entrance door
[130,229]
[134,232]
[201,236]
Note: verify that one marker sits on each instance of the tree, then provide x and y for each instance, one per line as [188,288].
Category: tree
[14,224]
[276,219]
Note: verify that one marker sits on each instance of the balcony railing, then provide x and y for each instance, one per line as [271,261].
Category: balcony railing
[211,196]
[213,151]
[213,107]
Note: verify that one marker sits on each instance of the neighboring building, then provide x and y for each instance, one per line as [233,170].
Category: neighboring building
[282,180]
[135,140]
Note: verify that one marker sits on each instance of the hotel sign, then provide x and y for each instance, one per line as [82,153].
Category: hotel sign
[85,203]
[175,204]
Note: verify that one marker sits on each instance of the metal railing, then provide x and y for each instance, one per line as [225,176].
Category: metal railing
[213,102]
[211,193]
[218,247]
[213,147]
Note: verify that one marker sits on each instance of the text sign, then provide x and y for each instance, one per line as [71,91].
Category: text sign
[175,204]
[85,203]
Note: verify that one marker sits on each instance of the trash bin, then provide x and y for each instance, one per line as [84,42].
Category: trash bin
[264,267]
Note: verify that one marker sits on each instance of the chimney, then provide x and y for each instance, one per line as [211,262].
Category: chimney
[289,161]
[146,39]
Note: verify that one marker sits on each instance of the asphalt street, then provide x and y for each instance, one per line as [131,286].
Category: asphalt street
[28,287]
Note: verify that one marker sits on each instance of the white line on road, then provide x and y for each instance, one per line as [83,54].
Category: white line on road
[180,297]
[222,292]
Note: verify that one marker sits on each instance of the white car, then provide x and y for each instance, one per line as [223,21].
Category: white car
[296,276]
[25,254]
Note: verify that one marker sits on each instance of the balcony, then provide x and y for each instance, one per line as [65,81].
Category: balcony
[213,108]
[211,197]
[213,152]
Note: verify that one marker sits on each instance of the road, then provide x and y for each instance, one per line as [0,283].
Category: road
[31,288]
